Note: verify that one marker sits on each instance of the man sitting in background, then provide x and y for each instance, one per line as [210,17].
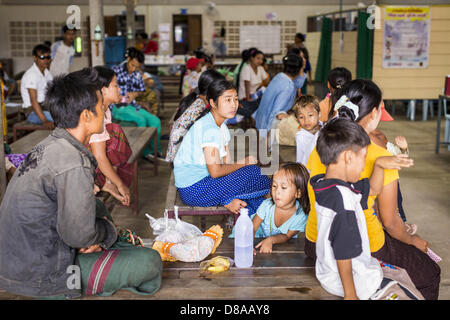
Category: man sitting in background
[33,86]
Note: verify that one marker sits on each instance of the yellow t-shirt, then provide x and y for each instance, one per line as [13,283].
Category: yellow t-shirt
[374,228]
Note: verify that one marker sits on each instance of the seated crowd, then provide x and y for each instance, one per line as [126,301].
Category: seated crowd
[342,191]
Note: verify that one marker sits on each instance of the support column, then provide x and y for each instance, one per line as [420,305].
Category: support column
[130,4]
[96,18]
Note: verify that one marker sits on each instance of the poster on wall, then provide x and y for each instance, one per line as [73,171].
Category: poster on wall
[406,37]
[164,37]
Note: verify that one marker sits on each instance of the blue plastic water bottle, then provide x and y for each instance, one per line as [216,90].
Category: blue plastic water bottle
[243,240]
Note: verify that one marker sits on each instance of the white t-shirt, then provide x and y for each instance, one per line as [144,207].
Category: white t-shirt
[34,79]
[305,143]
[62,57]
[248,74]
[342,234]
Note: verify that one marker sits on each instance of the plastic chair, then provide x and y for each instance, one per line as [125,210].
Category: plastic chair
[447,123]
[411,111]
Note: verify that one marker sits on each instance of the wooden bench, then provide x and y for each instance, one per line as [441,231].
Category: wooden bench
[173,199]
[138,137]
[26,126]
[286,274]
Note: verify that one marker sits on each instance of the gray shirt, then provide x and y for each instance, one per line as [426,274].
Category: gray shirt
[48,211]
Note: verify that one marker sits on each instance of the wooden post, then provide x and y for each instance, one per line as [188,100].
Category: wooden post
[96,18]
[130,4]
[2,150]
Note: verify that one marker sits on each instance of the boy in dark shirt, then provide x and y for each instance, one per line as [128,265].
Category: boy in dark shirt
[344,265]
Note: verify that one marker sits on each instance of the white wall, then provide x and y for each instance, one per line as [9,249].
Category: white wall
[155,14]
[163,14]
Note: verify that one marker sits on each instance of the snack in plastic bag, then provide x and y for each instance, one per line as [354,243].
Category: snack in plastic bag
[172,230]
[216,264]
[192,250]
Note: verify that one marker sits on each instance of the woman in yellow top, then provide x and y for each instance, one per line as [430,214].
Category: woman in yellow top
[392,245]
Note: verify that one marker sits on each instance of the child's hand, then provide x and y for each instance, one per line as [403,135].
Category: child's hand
[394,162]
[401,142]
[282,116]
[265,246]
[96,189]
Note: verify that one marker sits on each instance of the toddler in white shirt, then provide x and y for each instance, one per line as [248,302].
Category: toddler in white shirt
[307,112]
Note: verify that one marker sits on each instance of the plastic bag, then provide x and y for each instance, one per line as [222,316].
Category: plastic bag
[216,264]
[192,250]
[396,285]
[173,230]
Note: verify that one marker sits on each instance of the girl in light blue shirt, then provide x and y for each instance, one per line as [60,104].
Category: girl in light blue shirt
[204,174]
[284,215]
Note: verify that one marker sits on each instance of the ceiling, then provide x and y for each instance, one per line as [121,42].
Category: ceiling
[225,2]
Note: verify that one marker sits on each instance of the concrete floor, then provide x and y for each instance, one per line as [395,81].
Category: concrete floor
[425,188]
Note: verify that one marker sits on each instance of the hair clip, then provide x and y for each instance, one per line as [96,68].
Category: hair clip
[345,101]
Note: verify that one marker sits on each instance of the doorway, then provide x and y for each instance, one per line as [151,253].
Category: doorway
[186,33]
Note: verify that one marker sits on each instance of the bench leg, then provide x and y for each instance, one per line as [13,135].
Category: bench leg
[135,202]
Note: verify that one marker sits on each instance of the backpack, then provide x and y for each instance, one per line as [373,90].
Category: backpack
[396,285]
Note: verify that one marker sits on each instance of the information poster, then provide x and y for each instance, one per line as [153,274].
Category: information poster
[164,37]
[406,37]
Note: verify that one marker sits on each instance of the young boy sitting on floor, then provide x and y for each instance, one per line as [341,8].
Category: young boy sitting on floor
[344,265]
[50,223]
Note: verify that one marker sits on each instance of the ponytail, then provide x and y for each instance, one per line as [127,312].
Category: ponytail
[357,99]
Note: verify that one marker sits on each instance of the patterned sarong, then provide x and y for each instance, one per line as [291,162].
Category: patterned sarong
[118,151]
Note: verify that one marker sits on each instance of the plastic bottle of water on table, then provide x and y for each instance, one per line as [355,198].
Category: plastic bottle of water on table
[243,240]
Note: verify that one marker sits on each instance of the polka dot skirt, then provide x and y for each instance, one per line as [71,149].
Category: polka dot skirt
[247,184]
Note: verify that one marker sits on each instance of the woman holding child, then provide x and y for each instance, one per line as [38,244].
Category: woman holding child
[361,101]
[280,94]
[204,173]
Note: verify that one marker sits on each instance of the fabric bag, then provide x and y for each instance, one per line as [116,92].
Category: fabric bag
[396,285]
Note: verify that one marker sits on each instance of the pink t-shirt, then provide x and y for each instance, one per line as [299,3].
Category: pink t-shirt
[104,136]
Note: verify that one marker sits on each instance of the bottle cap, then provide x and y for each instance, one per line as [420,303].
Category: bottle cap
[244,211]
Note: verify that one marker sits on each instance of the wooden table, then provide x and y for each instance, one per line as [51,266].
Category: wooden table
[285,274]
[138,137]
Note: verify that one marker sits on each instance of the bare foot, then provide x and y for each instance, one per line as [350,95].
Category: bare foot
[236,205]
[112,189]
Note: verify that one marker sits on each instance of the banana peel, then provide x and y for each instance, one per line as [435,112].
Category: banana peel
[216,264]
